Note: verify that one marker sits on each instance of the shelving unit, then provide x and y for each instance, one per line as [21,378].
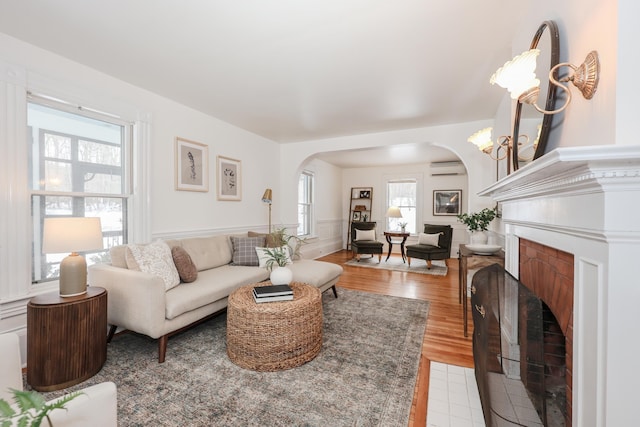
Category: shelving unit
[360,205]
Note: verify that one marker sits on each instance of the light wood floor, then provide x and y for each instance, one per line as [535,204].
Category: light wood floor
[443,338]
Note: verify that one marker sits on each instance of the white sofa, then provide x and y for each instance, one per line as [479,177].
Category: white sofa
[138,301]
[97,406]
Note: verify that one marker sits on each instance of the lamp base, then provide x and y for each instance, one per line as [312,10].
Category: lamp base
[73,276]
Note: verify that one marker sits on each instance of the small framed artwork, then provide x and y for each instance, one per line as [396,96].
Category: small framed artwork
[192,167]
[447,202]
[357,216]
[365,194]
[229,179]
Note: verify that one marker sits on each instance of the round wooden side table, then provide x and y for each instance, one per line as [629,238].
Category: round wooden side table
[273,336]
[66,338]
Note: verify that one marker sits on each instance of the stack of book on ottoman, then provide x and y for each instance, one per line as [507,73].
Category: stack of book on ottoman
[272,293]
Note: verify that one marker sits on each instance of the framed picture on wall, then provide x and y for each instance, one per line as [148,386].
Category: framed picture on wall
[191,166]
[446,202]
[229,179]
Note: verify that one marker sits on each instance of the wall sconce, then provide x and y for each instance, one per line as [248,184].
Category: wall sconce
[519,78]
[267,197]
[64,235]
[502,148]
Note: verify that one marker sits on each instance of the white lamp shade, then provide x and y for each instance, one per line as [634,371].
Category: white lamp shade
[482,139]
[64,235]
[394,212]
[519,74]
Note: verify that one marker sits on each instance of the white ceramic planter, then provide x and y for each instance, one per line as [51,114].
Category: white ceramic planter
[281,276]
[479,237]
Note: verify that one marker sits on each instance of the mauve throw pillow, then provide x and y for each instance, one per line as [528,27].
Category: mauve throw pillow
[186,268]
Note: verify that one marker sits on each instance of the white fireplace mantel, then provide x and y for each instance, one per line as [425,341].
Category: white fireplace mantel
[586,201]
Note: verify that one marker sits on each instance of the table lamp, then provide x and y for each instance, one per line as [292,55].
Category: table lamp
[73,235]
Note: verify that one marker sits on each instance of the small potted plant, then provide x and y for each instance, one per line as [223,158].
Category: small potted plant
[287,248]
[403,226]
[477,223]
[32,409]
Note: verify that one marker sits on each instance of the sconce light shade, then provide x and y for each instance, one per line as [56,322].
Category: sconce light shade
[394,212]
[518,75]
[62,235]
[482,140]
[267,196]
[519,78]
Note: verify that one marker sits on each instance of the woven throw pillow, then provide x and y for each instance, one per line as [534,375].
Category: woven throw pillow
[270,240]
[186,268]
[154,258]
[365,234]
[244,250]
[428,239]
[263,256]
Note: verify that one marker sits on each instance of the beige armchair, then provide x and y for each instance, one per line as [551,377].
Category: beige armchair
[97,406]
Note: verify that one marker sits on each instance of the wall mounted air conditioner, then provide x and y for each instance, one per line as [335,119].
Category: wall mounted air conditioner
[447,168]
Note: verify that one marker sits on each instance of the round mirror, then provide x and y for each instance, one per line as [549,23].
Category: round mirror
[537,128]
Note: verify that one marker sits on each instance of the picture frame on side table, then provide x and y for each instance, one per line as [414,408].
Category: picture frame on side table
[191,166]
[447,202]
[229,179]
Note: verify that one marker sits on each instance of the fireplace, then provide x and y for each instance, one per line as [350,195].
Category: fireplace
[580,205]
[522,341]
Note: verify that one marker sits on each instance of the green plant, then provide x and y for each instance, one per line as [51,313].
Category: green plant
[478,221]
[277,257]
[280,238]
[33,408]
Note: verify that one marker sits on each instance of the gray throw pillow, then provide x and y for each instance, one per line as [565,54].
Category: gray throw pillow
[244,250]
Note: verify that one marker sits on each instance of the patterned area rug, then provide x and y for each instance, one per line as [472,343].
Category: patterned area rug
[364,375]
[438,268]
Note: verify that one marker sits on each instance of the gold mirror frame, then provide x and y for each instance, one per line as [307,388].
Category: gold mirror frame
[547,119]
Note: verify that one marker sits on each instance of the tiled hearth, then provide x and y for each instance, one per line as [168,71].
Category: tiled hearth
[584,203]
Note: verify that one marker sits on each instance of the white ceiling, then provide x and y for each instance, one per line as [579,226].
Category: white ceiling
[290,70]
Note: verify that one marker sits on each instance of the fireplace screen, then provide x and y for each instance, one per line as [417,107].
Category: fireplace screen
[519,353]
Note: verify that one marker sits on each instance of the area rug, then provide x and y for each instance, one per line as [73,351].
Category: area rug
[364,375]
[438,268]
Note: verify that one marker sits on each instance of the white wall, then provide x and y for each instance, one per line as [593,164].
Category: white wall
[377,178]
[160,210]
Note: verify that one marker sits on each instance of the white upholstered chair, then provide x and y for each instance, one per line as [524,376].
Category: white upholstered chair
[97,406]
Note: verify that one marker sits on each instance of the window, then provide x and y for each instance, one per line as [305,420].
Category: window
[402,193]
[305,203]
[79,163]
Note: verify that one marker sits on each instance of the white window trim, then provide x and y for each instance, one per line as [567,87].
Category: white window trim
[419,178]
[312,214]
[15,232]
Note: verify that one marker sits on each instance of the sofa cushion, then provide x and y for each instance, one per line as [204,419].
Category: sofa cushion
[313,272]
[212,285]
[244,250]
[208,252]
[428,239]
[186,268]
[154,258]
[118,256]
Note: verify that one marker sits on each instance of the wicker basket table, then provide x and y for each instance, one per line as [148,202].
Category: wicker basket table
[274,336]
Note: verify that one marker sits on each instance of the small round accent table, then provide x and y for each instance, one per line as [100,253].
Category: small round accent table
[274,336]
[66,338]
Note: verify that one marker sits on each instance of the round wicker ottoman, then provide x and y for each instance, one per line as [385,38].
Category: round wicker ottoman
[274,336]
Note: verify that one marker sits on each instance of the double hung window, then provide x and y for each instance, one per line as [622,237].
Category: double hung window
[305,204]
[79,167]
[402,194]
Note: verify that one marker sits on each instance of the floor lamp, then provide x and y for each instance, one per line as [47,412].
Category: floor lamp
[267,198]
